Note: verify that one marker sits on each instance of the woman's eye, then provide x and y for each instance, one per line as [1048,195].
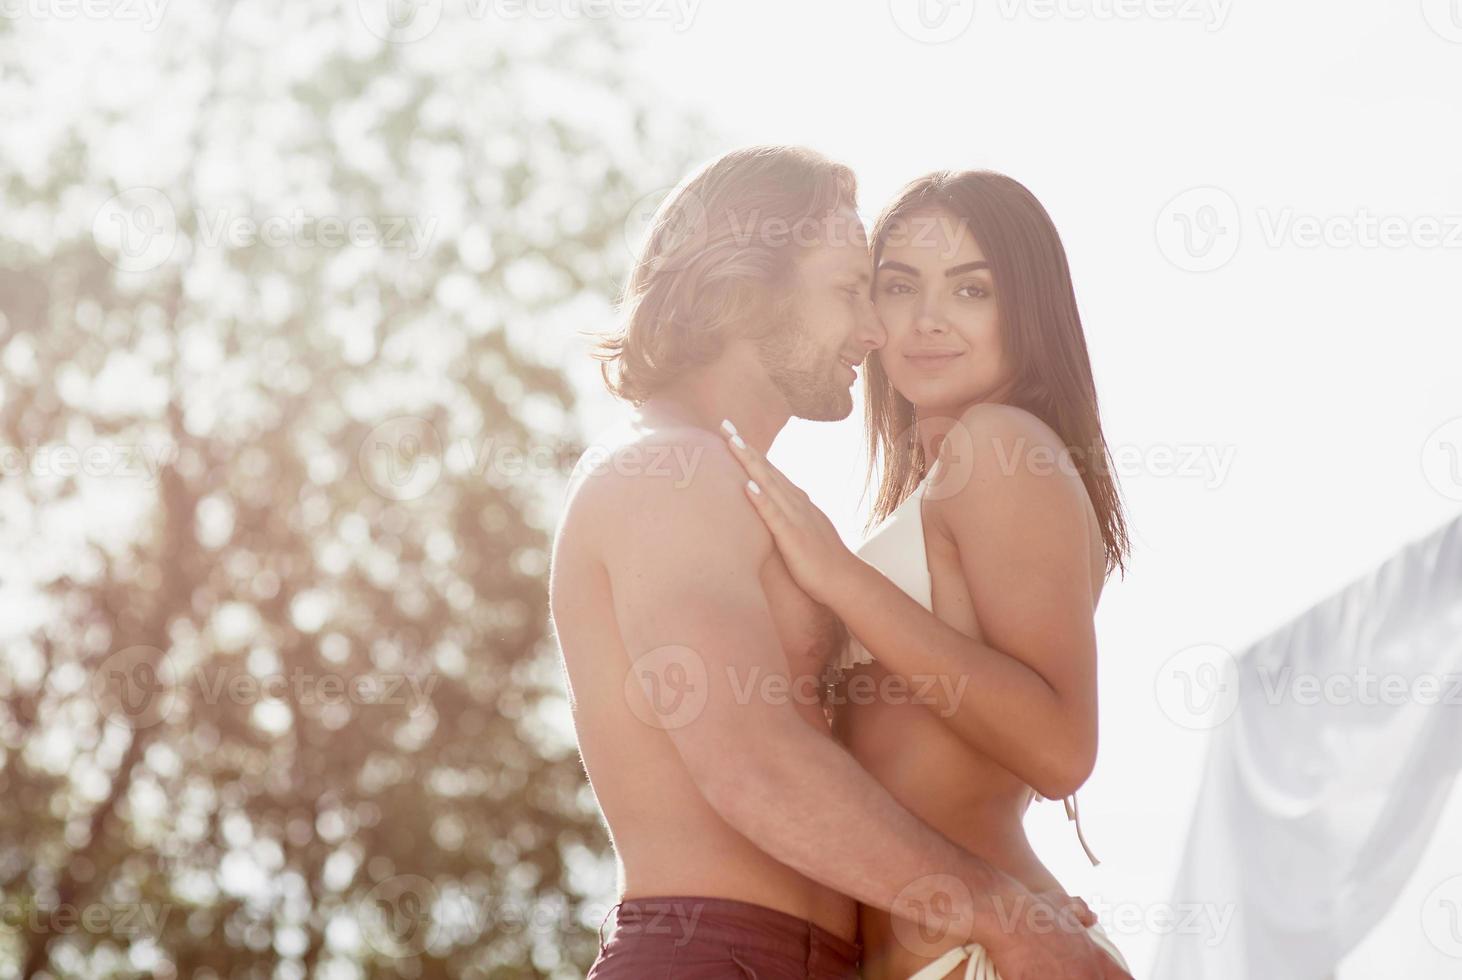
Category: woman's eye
[971,292]
[897,289]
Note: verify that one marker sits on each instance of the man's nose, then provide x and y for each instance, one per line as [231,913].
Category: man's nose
[871,334]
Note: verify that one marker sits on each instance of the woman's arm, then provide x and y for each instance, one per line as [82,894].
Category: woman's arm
[1026,695]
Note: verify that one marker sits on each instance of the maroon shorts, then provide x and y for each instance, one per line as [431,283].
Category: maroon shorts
[685,938]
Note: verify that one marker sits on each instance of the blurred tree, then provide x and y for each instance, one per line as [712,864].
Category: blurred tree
[285,300]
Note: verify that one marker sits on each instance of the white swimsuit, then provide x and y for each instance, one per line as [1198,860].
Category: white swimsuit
[979,966]
[896,548]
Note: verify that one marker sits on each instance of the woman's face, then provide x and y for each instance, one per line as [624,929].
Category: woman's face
[935,293]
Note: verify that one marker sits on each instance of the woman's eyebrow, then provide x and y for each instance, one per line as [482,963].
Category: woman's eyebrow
[960,270]
[890,266]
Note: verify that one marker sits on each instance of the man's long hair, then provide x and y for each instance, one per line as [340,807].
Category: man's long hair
[718,262]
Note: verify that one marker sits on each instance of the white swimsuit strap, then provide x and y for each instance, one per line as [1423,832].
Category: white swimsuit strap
[981,967]
[1073,814]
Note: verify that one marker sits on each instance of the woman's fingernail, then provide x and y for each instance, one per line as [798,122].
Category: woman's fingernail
[727,427]
[751,485]
[738,442]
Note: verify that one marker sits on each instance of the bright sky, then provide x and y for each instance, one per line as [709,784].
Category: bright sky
[1308,381]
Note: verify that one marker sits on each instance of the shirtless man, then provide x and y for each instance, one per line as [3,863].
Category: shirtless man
[744,832]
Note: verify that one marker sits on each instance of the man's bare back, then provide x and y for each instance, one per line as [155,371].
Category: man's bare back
[669,839]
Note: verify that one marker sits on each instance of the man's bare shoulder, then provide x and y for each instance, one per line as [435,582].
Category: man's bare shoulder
[677,486]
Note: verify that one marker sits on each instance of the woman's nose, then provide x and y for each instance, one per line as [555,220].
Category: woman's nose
[928,320]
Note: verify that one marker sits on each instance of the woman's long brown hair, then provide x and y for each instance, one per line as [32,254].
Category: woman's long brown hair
[1040,331]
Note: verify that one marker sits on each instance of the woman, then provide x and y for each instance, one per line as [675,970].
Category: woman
[970,685]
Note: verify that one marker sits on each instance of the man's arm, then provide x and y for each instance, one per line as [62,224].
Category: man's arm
[685,573]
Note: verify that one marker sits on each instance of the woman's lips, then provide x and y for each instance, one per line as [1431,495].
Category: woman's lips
[932,359]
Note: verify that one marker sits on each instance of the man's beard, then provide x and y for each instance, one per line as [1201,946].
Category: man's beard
[802,373]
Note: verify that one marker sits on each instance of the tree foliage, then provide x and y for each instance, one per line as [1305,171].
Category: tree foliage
[276,692]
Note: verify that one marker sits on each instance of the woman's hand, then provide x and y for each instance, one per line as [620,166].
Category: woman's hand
[810,545]
[1075,906]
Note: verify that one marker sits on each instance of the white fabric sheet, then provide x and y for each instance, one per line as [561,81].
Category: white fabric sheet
[1319,797]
